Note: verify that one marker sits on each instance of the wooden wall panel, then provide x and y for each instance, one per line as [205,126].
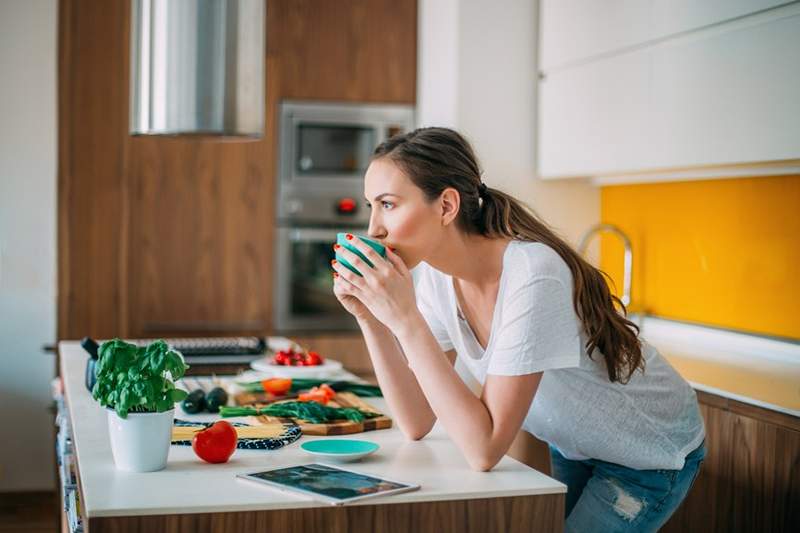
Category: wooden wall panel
[201,225]
[92,117]
[345,50]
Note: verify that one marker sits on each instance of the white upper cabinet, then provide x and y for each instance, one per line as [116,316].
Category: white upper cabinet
[652,87]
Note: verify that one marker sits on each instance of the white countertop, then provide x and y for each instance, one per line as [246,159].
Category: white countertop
[756,370]
[189,485]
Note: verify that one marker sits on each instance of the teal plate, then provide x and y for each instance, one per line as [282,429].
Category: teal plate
[340,449]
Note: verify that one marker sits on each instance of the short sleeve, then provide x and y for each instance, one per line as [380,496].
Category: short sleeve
[423,291]
[538,331]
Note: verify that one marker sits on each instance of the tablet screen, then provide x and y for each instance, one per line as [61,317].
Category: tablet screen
[330,482]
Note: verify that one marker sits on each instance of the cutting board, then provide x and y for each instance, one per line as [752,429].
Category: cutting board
[337,427]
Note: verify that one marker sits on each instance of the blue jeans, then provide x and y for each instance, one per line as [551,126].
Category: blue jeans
[610,498]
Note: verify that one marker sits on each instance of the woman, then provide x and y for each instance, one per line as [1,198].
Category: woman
[532,321]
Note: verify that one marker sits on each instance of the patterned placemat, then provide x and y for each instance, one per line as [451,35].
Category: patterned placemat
[289,433]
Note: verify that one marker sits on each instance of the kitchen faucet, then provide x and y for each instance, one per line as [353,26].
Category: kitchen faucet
[628,259]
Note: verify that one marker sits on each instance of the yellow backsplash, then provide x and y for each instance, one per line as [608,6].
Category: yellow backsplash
[720,252]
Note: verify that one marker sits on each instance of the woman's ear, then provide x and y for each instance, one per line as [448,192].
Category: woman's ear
[449,203]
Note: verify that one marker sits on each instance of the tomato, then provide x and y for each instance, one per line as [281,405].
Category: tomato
[314,396]
[216,443]
[277,386]
[313,359]
[329,392]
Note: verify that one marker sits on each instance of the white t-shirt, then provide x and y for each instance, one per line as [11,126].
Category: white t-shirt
[652,422]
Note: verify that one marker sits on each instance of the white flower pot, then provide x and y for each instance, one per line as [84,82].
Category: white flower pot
[140,443]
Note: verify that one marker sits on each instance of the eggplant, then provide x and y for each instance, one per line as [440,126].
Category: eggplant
[216,398]
[194,402]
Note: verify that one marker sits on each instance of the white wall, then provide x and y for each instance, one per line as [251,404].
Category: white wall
[477,73]
[27,241]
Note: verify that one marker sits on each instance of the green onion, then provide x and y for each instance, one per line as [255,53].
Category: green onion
[313,412]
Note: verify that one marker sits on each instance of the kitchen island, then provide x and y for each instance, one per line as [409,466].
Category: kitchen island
[193,496]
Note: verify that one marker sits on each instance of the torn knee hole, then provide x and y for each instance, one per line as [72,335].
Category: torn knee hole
[626,505]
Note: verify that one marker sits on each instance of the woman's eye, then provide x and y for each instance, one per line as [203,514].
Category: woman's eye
[387,205]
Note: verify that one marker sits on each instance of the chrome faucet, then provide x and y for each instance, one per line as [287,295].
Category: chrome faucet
[628,259]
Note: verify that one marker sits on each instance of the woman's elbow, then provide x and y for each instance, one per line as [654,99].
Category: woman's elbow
[415,433]
[483,463]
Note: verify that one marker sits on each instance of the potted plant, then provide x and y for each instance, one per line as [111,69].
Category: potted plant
[135,385]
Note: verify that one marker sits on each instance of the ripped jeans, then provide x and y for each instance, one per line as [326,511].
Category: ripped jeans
[609,497]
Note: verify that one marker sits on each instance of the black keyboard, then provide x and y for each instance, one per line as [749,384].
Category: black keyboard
[213,345]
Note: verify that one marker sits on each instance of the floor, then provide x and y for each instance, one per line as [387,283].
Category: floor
[29,512]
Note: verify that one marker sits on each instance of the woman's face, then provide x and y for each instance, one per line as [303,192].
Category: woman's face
[400,217]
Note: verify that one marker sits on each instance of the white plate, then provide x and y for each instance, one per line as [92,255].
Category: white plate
[327,369]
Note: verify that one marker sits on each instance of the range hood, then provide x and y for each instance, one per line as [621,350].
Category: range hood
[197,67]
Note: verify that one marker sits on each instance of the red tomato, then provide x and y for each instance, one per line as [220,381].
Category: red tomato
[313,396]
[216,443]
[329,392]
[313,359]
[277,386]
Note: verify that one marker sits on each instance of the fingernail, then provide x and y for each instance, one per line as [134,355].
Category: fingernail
[349,237]
[335,274]
[392,249]
[337,246]
[334,261]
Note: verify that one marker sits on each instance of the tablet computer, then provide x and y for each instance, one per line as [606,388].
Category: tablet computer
[328,483]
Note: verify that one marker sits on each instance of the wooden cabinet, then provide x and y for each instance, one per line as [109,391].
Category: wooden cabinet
[750,479]
[646,87]
[163,236]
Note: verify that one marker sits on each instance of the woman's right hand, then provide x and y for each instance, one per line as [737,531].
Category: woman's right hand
[345,293]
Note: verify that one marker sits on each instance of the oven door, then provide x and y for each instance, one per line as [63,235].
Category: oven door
[303,291]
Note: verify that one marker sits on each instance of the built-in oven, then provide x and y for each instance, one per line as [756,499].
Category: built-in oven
[324,152]
[304,300]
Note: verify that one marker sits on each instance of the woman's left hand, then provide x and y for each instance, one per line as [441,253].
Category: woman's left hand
[387,289]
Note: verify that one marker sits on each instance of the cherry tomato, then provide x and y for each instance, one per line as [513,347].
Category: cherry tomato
[313,359]
[280,358]
[312,396]
[277,386]
[216,443]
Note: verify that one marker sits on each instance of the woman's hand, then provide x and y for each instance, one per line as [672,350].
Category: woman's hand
[386,290]
[350,302]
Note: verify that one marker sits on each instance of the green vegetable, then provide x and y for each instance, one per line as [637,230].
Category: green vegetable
[215,399]
[359,389]
[138,379]
[194,402]
[313,412]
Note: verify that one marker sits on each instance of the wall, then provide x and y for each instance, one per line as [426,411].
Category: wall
[27,241]
[477,73]
[723,252]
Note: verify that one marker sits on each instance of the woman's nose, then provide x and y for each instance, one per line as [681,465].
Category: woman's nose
[375,230]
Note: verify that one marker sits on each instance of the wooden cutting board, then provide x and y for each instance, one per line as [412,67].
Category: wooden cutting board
[337,427]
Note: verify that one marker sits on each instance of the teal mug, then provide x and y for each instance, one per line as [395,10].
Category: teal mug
[341,239]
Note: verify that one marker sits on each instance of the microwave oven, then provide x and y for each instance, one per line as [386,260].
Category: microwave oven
[325,148]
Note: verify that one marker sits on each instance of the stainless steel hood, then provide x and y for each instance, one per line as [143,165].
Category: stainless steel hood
[197,67]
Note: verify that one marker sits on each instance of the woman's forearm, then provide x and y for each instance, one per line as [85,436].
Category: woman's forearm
[409,407]
[464,416]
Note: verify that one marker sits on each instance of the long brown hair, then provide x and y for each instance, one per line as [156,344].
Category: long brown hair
[439,158]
